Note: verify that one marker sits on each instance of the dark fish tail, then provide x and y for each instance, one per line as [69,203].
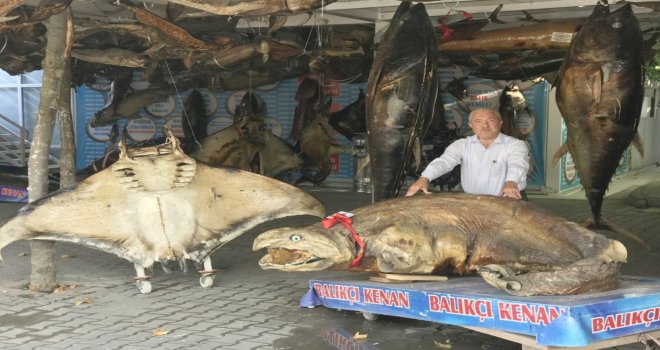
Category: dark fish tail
[595,198]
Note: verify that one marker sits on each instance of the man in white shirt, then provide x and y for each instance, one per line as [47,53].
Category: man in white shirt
[491,163]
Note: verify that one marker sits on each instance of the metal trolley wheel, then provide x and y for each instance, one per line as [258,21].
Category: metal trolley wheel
[143,286]
[206,281]
[142,280]
[207,273]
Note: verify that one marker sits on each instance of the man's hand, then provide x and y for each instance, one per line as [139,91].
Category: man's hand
[510,189]
[421,184]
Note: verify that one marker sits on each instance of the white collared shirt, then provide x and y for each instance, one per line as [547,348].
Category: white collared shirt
[484,170]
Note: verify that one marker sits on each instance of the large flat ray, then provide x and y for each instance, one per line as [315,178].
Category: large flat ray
[156,203]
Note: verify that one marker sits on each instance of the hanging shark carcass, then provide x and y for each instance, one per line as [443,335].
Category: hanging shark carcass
[599,94]
[157,204]
[513,245]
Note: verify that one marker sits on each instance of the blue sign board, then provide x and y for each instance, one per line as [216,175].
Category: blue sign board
[13,194]
[571,320]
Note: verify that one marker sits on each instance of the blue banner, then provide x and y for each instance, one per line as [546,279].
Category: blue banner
[13,194]
[571,320]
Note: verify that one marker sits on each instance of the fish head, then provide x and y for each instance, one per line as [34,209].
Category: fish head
[308,248]
[607,35]
[251,106]
[105,116]
[515,97]
[158,168]
[308,90]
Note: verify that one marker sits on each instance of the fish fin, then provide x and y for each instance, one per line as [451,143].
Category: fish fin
[560,153]
[493,15]
[374,82]
[595,83]
[580,277]
[417,153]
[13,230]
[639,145]
[416,255]
[616,228]
[498,275]
[108,246]
[553,78]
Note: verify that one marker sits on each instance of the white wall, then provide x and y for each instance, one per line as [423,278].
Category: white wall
[553,142]
[649,131]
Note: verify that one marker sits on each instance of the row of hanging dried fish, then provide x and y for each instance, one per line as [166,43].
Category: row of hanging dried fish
[206,48]
[208,51]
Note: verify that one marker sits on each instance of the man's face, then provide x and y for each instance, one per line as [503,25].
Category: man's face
[485,125]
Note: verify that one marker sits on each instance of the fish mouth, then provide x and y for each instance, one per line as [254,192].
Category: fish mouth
[293,259]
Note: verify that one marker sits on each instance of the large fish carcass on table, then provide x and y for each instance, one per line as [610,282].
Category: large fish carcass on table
[157,204]
[512,244]
[599,94]
[401,97]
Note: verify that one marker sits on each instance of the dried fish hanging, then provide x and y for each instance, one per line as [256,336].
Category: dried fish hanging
[316,141]
[185,118]
[336,63]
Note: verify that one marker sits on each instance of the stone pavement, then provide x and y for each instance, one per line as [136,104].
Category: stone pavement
[249,308]
[647,195]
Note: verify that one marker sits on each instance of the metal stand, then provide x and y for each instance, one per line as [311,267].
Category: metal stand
[207,274]
[206,279]
[142,280]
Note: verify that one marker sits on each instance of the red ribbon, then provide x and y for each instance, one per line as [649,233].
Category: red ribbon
[446,30]
[346,220]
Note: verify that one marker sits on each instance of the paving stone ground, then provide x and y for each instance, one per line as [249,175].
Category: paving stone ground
[249,308]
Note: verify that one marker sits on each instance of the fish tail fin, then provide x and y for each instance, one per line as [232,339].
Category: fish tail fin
[563,149]
[580,277]
[605,224]
[639,146]
[12,231]
[595,199]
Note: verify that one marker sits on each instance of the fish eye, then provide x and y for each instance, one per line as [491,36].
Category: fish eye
[295,238]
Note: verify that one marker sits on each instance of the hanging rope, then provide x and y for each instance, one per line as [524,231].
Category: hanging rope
[185,114]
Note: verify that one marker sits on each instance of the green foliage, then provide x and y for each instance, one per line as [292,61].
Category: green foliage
[652,68]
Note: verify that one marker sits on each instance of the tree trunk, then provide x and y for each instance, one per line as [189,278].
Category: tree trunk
[68,143]
[43,277]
